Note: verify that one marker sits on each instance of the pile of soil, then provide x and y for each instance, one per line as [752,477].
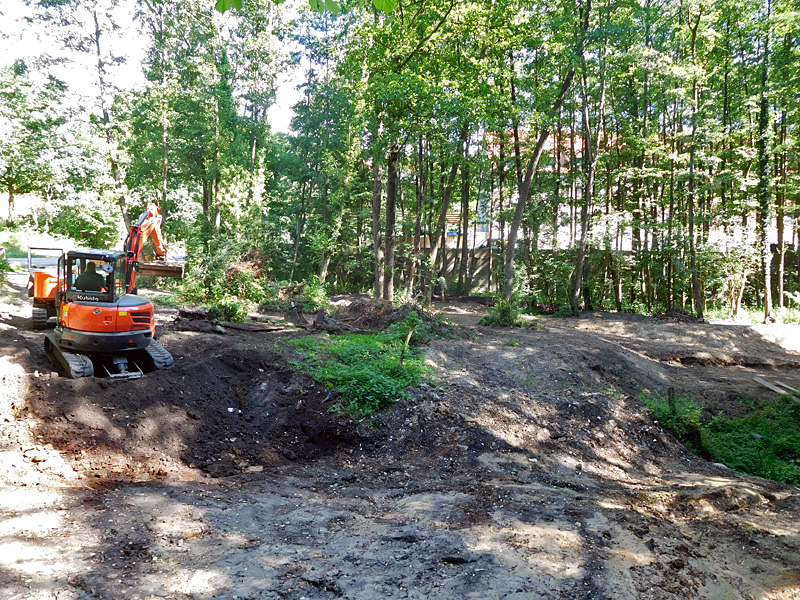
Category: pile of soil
[678,315]
[225,409]
[376,315]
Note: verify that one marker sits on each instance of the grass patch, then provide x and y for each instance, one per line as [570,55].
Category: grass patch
[755,315]
[372,371]
[765,442]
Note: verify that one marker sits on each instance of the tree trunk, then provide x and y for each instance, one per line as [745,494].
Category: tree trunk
[377,243]
[391,212]
[119,183]
[301,221]
[764,182]
[781,213]
[465,181]
[447,192]
[591,150]
[421,201]
[696,295]
[10,204]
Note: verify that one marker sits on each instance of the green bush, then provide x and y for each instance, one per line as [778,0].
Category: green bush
[228,309]
[504,313]
[681,416]
[5,268]
[92,224]
[422,331]
[765,442]
[365,368]
[314,295]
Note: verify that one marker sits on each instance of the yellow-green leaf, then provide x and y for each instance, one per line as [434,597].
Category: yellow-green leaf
[386,6]
[226,5]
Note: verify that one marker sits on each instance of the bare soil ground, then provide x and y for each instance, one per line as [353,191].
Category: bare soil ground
[526,469]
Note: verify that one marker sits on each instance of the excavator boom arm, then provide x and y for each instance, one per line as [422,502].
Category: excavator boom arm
[148,225]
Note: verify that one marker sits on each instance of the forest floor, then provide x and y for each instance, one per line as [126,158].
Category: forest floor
[527,468]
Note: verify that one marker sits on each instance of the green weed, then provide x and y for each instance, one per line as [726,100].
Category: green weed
[504,313]
[5,268]
[371,371]
[765,442]
[680,415]
[228,309]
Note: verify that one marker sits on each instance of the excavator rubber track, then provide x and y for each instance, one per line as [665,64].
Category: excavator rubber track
[75,365]
[39,318]
[161,359]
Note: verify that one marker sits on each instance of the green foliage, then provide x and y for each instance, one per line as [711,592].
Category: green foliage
[318,6]
[765,442]
[365,368]
[228,309]
[681,415]
[423,331]
[504,313]
[754,315]
[92,224]
[30,118]
[314,295]
[225,5]
[5,269]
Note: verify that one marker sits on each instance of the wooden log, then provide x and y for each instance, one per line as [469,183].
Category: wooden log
[161,268]
[250,326]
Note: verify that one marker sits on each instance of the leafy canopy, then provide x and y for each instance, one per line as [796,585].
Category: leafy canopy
[319,6]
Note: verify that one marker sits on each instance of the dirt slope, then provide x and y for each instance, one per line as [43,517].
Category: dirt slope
[526,470]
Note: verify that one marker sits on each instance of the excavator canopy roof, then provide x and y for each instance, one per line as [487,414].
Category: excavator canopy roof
[104,255]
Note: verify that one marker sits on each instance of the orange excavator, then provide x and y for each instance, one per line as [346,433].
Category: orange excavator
[102,326]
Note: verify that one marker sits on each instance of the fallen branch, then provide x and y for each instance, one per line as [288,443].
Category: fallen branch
[252,326]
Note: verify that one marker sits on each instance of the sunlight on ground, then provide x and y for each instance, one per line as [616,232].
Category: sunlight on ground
[30,524]
[554,550]
[202,582]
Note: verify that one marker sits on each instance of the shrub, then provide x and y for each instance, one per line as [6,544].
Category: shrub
[766,442]
[366,368]
[504,313]
[5,268]
[680,415]
[314,295]
[422,331]
[228,309]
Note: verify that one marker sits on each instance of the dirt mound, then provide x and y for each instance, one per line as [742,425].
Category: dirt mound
[221,412]
[376,315]
[678,315]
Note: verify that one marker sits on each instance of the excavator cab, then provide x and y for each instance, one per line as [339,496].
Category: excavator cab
[93,275]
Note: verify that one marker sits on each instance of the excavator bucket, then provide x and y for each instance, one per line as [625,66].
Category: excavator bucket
[161,268]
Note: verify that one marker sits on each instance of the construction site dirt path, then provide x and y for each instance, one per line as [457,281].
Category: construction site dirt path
[527,468]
